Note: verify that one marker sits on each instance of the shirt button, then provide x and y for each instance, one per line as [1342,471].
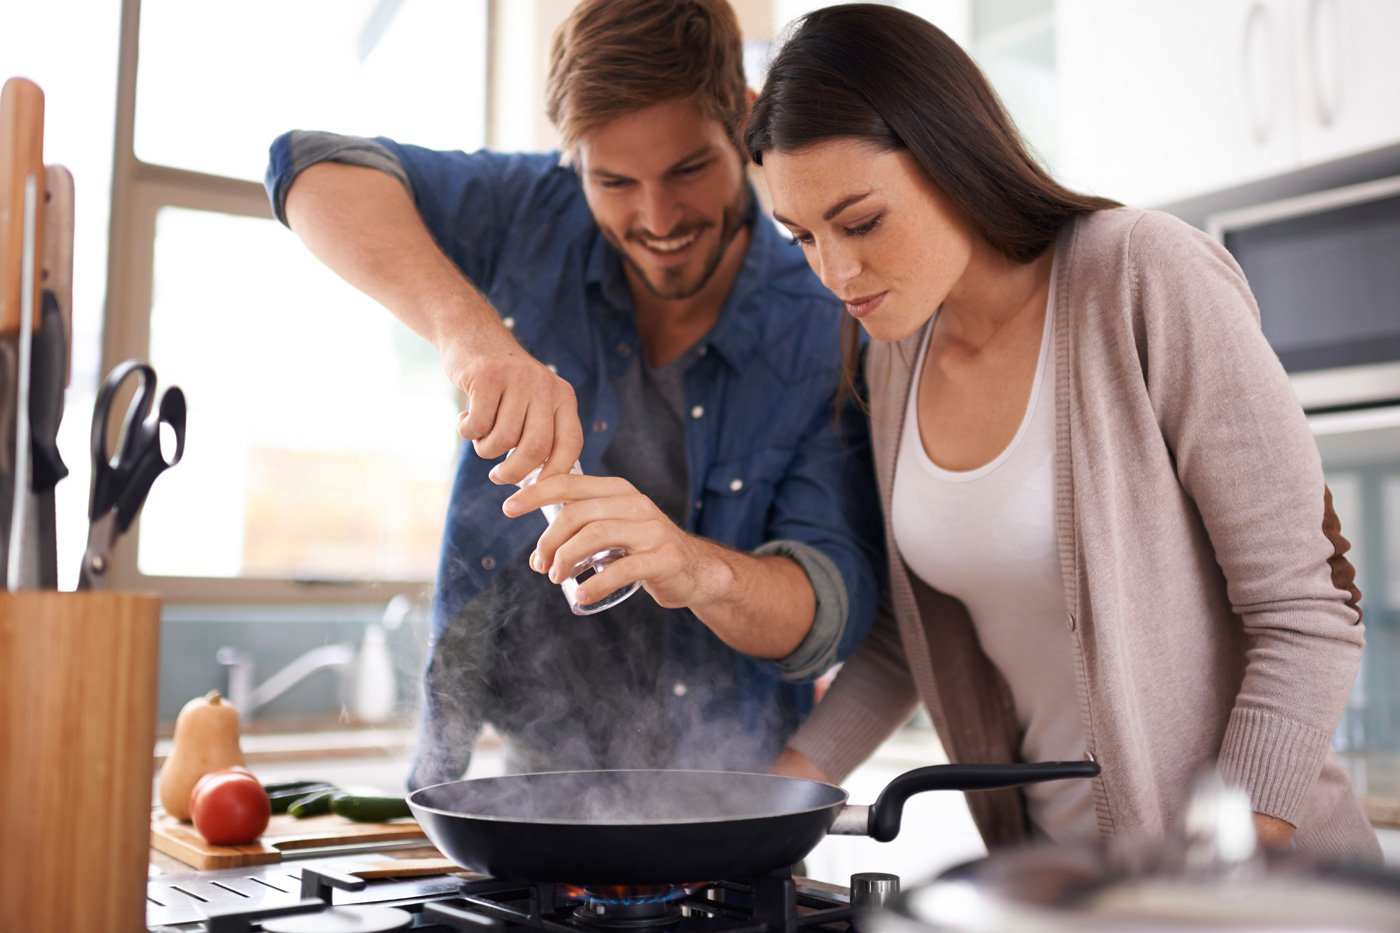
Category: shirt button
[488,562]
[699,505]
[599,427]
[704,349]
[1070,619]
[624,349]
[509,322]
[698,411]
[736,484]
[679,690]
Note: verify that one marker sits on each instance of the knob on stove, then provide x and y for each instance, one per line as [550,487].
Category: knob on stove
[870,890]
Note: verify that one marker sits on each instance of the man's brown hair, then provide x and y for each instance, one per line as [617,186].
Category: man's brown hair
[615,57]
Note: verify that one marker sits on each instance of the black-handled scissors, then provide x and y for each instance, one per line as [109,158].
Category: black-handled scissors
[121,480]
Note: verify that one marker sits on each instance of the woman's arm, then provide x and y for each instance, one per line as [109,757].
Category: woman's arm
[1245,455]
[872,695]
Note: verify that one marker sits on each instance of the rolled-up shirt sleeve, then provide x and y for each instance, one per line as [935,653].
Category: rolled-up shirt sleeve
[294,152]
[826,517]
[821,648]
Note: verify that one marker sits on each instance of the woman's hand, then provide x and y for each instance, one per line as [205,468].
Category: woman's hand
[1273,832]
[792,763]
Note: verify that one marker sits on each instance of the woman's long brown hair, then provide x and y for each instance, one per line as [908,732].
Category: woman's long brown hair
[895,80]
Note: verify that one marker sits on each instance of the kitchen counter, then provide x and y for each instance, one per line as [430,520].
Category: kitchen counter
[162,864]
[1376,776]
[277,748]
[938,830]
[179,897]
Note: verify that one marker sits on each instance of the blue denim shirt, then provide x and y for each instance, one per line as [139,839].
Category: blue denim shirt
[768,462]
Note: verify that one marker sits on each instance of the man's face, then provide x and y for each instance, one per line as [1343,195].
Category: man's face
[666,187]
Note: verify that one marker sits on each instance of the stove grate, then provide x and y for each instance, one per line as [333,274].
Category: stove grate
[771,904]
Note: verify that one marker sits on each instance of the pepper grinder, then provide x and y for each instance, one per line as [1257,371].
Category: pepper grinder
[594,564]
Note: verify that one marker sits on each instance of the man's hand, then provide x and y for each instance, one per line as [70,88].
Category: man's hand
[601,512]
[760,606]
[513,401]
[363,224]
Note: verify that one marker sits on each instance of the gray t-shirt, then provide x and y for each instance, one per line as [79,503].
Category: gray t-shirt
[586,692]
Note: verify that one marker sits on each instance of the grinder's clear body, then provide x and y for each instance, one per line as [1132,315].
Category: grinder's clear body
[595,563]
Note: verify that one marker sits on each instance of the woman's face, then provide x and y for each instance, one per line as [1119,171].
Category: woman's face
[873,228]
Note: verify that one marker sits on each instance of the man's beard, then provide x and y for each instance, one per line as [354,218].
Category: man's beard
[674,287]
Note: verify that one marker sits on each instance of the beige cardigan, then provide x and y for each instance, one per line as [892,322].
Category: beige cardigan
[1211,616]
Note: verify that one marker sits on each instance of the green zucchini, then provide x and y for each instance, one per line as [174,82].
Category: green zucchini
[280,786]
[312,804]
[284,797]
[369,809]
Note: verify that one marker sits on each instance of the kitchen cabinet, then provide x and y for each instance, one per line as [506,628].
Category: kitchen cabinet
[1157,102]
[1164,100]
[1349,76]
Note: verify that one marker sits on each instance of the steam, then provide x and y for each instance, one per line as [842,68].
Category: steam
[588,693]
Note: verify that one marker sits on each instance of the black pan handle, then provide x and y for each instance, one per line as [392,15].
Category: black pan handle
[888,808]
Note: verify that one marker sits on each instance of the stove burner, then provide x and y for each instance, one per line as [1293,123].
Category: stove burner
[629,895]
[644,915]
[628,905]
[341,920]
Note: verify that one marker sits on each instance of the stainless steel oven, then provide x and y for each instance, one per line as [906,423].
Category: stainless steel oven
[1325,268]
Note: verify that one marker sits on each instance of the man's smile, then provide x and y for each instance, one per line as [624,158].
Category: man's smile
[673,244]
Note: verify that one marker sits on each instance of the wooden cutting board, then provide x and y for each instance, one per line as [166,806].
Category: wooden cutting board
[284,833]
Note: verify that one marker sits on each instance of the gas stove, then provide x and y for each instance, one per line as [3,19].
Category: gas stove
[318,898]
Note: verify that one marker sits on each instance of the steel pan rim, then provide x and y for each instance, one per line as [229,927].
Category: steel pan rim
[836,804]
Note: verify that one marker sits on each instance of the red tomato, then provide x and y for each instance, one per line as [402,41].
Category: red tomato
[229,807]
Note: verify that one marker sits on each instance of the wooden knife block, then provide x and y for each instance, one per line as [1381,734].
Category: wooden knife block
[78,674]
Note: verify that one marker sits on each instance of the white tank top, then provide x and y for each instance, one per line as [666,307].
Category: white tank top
[987,537]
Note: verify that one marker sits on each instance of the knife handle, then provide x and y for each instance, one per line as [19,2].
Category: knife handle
[58,255]
[21,156]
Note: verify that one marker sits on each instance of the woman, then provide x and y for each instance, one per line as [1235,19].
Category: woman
[1108,527]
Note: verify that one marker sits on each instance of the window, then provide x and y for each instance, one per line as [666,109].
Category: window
[321,431]
[408,69]
[320,438]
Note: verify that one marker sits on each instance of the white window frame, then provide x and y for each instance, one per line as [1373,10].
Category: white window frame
[139,191]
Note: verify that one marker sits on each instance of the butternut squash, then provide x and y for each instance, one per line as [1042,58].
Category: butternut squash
[205,740]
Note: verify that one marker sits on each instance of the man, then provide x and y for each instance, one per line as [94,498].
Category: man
[632,310]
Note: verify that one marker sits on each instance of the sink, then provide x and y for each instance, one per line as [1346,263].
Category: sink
[365,760]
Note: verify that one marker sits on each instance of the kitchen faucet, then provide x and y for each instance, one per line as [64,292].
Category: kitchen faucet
[248,698]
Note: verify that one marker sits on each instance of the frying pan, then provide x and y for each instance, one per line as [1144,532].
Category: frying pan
[673,827]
